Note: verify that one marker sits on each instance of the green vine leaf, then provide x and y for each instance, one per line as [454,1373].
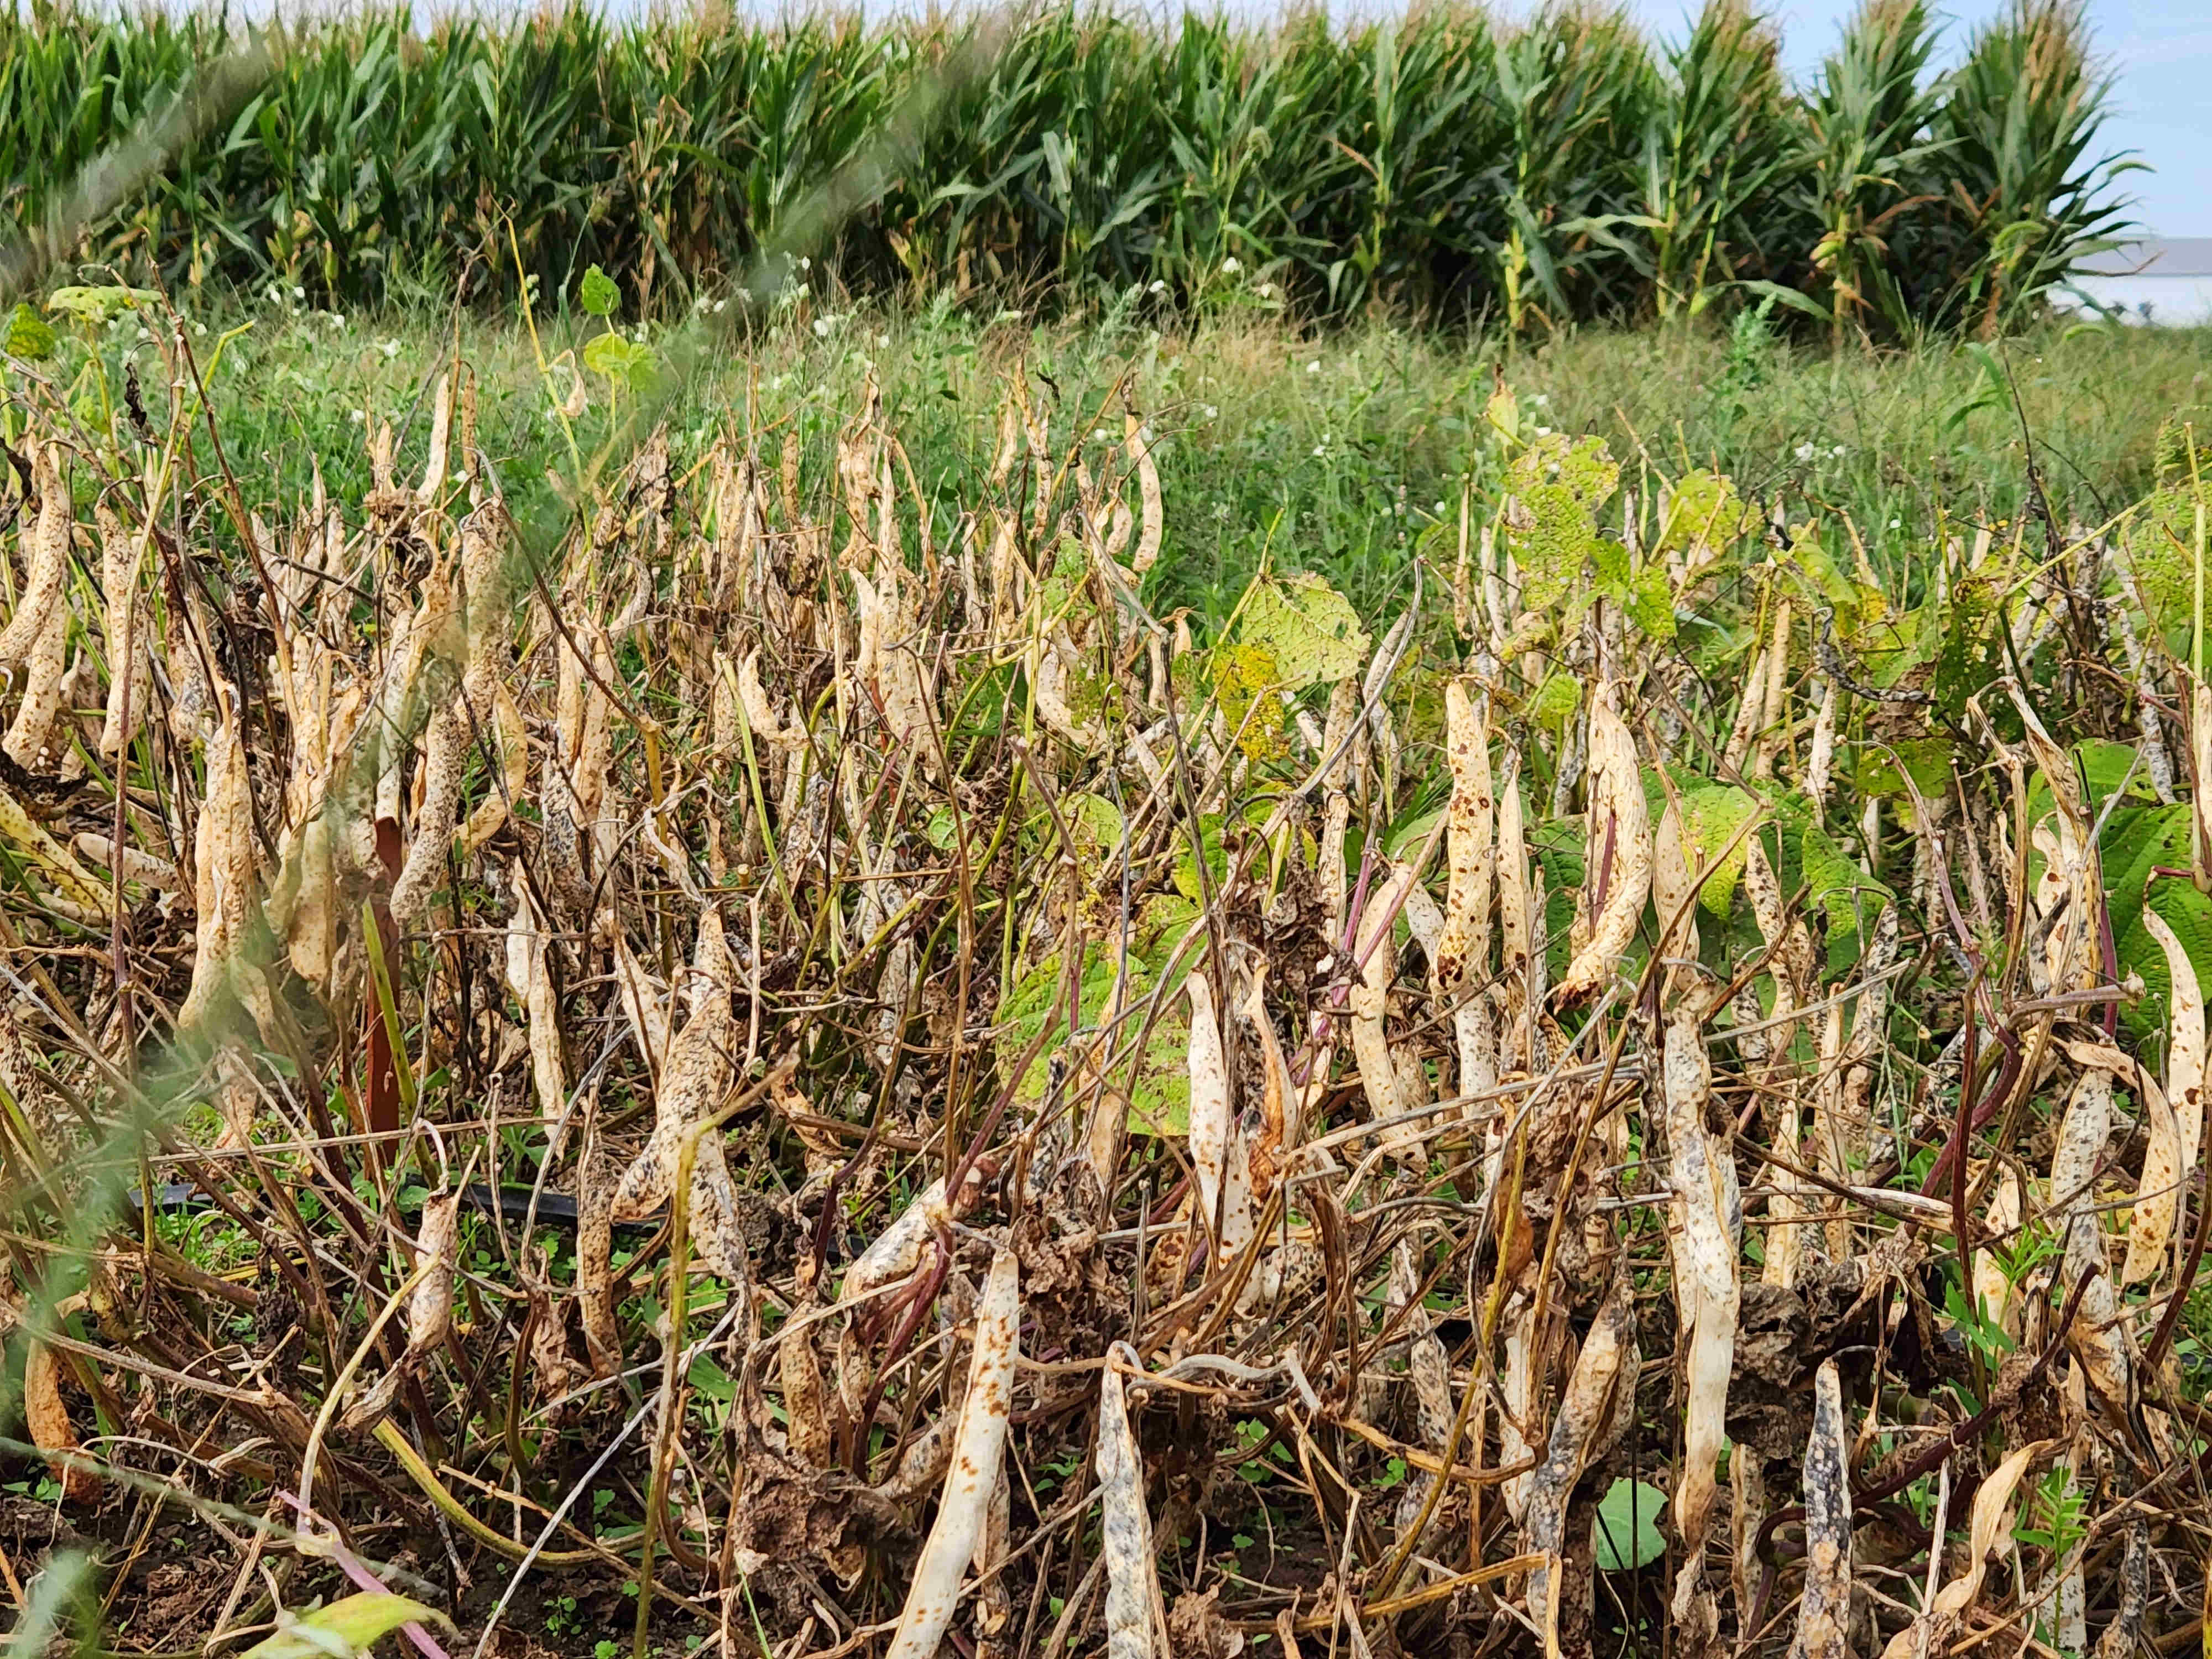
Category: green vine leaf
[597,294]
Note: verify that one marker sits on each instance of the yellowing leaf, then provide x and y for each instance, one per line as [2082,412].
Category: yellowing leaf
[1858,608]
[1160,1102]
[1503,411]
[1713,813]
[1704,514]
[350,1625]
[97,305]
[27,334]
[1244,677]
[1884,768]
[1554,701]
[618,358]
[1557,485]
[1307,629]
[1649,602]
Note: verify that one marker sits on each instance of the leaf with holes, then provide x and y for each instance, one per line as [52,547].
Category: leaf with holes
[1308,629]
[1558,485]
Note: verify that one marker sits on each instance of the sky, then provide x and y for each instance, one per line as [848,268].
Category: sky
[2159,53]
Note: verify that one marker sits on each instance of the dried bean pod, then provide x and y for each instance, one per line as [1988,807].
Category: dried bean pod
[978,1454]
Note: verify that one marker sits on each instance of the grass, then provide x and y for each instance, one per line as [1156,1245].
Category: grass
[1333,447]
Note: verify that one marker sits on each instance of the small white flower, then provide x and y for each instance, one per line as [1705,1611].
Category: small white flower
[882,341]
[1266,290]
[389,347]
[356,416]
[1314,367]
[821,328]
[805,264]
[1211,413]
[199,328]
[1837,450]
[1803,452]
[1894,523]
[1221,510]
[299,293]
[1543,432]
[1230,266]
[699,303]
[1440,509]
[718,304]
[1157,286]
[337,320]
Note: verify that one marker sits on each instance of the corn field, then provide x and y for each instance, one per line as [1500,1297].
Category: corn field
[754,1061]
[1448,166]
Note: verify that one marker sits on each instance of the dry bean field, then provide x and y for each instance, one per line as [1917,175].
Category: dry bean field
[719,1050]
[1089,884]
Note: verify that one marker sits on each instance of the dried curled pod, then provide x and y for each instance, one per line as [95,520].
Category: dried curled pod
[444,766]
[2096,1336]
[430,1309]
[46,559]
[46,1415]
[1990,1526]
[1587,1420]
[1618,854]
[223,870]
[697,1077]
[1133,1585]
[31,730]
[978,1454]
[1702,1171]
[124,629]
[1469,847]
[1825,1614]
[1218,1155]
[2176,1120]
